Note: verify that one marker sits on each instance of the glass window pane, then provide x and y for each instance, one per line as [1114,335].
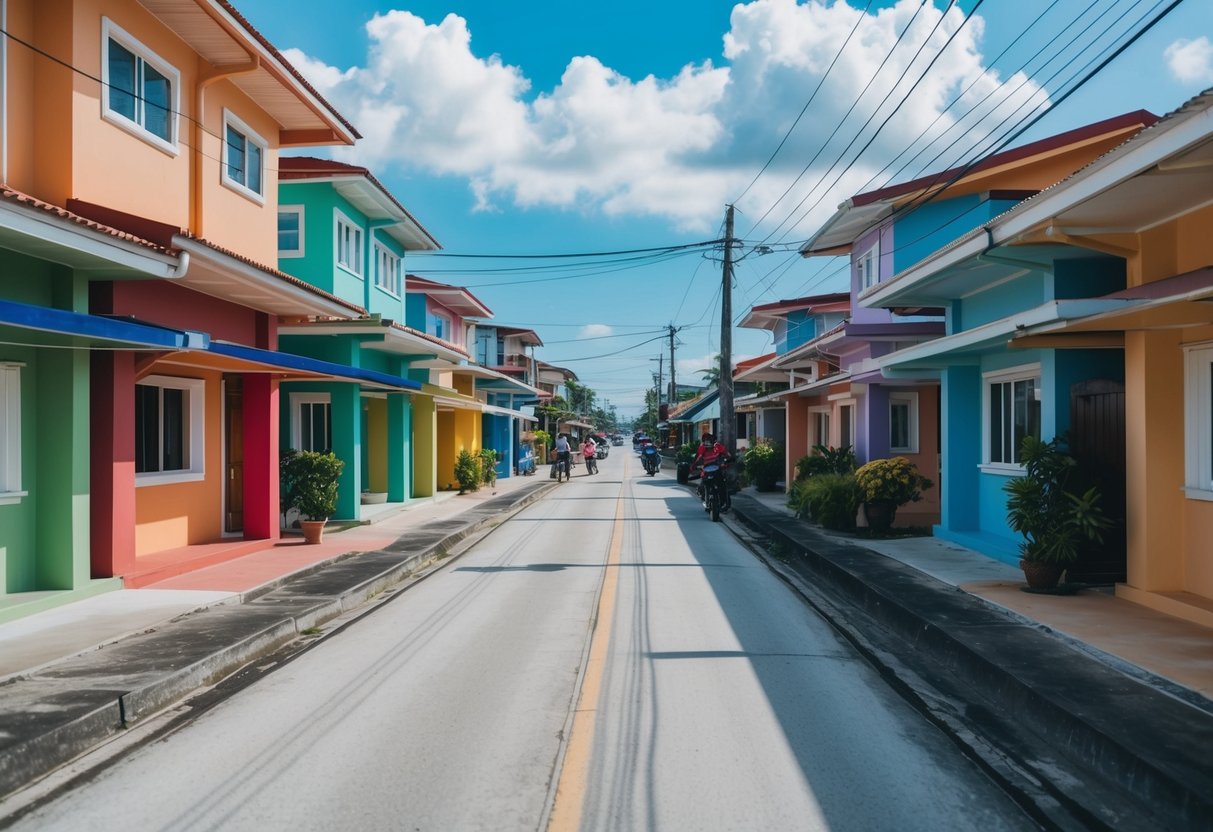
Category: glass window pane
[996,438]
[121,66]
[253,181]
[147,428]
[235,155]
[174,429]
[288,231]
[899,425]
[157,99]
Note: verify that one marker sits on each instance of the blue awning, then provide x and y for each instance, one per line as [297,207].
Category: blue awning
[313,367]
[44,326]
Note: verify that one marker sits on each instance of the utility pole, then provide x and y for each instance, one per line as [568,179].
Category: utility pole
[728,419]
[673,397]
[660,361]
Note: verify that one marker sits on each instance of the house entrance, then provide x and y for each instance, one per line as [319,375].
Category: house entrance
[233,419]
[1097,441]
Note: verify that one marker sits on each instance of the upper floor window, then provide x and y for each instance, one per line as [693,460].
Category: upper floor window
[387,270]
[349,244]
[243,158]
[1198,422]
[290,230]
[169,429]
[1012,411]
[311,422]
[139,90]
[10,433]
[867,266]
[438,325]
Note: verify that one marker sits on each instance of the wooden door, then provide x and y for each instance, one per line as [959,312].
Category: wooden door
[1097,441]
[233,416]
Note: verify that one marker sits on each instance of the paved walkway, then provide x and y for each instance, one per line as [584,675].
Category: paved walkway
[1139,640]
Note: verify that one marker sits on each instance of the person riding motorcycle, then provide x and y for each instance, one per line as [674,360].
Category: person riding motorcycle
[563,451]
[710,452]
[647,449]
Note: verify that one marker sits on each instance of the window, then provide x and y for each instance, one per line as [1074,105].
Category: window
[349,245]
[846,425]
[1012,411]
[903,422]
[168,430]
[867,266]
[1198,423]
[387,270]
[438,325]
[290,231]
[139,91]
[243,158]
[311,422]
[819,427]
[10,433]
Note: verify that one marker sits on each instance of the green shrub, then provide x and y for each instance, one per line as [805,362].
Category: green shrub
[467,472]
[308,482]
[488,466]
[764,463]
[826,460]
[686,453]
[830,500]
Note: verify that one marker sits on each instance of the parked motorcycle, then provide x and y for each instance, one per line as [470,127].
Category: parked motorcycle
[650,458]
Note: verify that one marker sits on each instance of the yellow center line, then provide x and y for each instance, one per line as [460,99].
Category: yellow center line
[574,774]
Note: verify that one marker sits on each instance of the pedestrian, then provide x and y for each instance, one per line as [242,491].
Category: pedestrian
[589,450]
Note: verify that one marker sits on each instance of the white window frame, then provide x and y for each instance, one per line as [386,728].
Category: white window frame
[300,211]
[10,433]
[433,315]
[910,400]
[297,402]
[384,254]
[196,413]
[1198,422]
[251,137]
[341,221]
[1024,372]
[851,421]
[867,267]
[112,31]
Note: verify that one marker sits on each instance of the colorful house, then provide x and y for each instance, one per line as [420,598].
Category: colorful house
[342,231]
[1142,212]
[507,388]
[159,128]
[991,396]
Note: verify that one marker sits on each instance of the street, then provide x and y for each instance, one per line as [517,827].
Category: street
[709,697]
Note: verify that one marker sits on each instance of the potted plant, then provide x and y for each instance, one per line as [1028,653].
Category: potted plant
[764,464]
[467,471]
[885,485]
[683,458]
[309,481]
[1053,520]
[543,441]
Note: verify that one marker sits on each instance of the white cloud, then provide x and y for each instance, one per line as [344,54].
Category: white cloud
[1191,61]
[595,331]
[677,148]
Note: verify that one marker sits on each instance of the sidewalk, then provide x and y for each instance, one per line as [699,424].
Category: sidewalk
[1101,706]
[70,677]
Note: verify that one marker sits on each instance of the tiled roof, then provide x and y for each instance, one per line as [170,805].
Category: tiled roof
[21,198]
[431,338]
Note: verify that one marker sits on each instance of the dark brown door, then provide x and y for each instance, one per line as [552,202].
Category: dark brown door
[1097,441]
[233,415]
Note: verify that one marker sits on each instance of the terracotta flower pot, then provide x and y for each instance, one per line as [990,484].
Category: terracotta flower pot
[313,530]
[1041,575]
[880,514]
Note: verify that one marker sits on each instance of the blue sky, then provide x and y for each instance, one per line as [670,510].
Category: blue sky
[552,127]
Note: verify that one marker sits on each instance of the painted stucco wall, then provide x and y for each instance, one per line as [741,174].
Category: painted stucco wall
[318,262]
[933,224]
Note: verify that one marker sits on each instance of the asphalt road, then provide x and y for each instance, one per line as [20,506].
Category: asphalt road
[709,697]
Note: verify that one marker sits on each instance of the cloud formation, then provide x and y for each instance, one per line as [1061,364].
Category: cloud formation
[595,331]
[1191,61]
[679,148]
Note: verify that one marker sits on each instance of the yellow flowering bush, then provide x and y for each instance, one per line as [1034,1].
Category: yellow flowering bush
[896,480]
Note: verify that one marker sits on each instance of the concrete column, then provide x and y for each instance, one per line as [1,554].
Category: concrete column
[346,402]
[112,469]
[960,420]
[399,458]
[261,482]
[425,447]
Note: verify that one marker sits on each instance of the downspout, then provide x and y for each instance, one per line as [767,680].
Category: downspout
[254,63]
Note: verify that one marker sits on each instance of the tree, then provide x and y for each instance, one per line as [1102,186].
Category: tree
[711,376]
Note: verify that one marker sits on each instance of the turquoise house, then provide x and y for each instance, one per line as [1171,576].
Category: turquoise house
[993,394]
[340,230]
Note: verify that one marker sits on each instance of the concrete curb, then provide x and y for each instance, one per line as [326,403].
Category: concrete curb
[67,708]
[1145,743]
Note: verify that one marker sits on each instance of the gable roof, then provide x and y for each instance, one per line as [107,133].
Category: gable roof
[227,41]
[364,192]
[861,212]
[767,315]
[456,298]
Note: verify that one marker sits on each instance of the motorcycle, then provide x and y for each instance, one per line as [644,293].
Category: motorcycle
[715,490]
[650,457]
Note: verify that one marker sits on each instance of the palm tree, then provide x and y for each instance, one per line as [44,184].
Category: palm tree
[711,376]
